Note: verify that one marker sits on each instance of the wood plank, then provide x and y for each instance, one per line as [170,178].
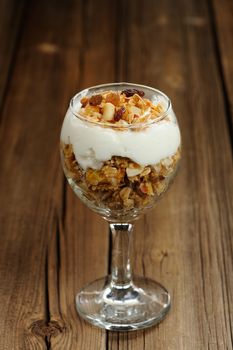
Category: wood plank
[84,236]
[11,14]
[186,243]
[77,255]
[222,17]
[37,293]
[26,196]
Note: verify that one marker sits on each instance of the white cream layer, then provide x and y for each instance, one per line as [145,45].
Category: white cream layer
[93,144]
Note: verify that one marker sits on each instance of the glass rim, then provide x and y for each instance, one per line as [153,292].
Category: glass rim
[160,117]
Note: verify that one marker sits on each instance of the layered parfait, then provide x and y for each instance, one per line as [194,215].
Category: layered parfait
[120,148]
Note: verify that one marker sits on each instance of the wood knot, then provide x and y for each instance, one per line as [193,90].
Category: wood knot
[164,254]
[43,329]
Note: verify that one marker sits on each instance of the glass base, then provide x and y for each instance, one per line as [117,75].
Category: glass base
[137,305]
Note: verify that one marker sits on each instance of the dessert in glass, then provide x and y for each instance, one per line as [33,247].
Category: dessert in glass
[120,149]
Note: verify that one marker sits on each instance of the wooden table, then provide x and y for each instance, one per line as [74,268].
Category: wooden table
[50,243]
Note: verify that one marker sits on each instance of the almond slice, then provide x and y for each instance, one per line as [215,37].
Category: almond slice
[108,111]
[134,171]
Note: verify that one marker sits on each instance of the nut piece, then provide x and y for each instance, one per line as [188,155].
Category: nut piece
[134,171]
[108,111]
[146,188]
[95,100]
[124,194]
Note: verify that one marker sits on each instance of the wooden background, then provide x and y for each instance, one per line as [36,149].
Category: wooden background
[50,244]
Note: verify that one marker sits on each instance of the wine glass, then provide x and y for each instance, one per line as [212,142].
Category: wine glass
[120,149]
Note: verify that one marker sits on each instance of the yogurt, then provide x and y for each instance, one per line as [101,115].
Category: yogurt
[94,144]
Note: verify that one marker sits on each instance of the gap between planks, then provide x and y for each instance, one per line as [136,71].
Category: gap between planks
[13,55]
[216,45]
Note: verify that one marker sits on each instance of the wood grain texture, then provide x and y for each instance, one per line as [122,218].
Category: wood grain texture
[50,243]
[12,15]
[27,185]
[222,17]
[84,242]
[46,73]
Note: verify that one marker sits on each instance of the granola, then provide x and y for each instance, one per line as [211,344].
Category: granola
[121,183]
[128,106]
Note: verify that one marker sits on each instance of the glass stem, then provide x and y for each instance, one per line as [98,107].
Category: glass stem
[121,273]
